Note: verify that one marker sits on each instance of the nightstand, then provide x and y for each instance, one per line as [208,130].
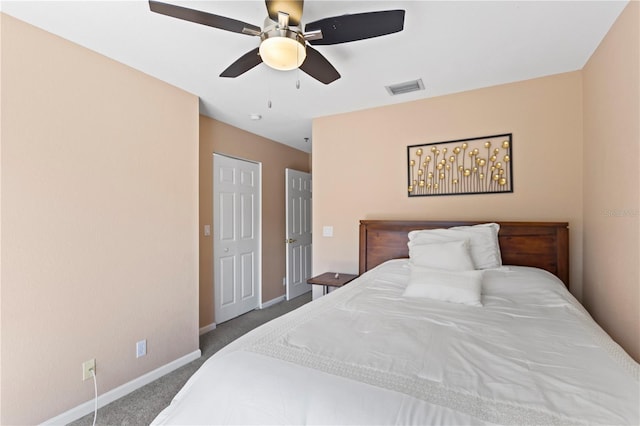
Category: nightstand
[328,279]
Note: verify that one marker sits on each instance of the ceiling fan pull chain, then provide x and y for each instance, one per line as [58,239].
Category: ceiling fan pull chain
[269,92]
[297,75]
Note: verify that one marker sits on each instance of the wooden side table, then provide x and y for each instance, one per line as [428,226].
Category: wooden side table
[331,279]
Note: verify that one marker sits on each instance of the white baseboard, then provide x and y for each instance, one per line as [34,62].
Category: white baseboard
[108,397]
[207,328]
[272,302]
[212,326]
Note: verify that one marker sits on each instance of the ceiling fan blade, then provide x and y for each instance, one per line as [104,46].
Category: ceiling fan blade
[359,26]
[318,67]
[243,64]
[291,7]
[204,18]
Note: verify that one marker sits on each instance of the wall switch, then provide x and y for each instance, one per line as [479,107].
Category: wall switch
[284,281]
[327,231]
[141,348]
[87,366]
[207,230]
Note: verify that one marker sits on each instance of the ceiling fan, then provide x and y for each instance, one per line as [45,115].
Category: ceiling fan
[283,44]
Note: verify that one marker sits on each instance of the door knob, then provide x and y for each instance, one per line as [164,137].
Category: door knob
[290,240]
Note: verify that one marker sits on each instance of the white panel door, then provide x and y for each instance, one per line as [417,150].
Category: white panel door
[298,237]
[236,236]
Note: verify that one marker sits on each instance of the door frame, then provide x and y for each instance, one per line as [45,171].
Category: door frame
[259,236]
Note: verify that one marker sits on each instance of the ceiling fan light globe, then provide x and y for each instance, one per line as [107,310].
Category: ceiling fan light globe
[283,52]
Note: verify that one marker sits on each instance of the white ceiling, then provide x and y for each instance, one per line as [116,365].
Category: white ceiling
[452,46]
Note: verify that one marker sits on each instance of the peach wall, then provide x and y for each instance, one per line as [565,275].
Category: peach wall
[222,138]
[612,181]
[360,170]
[99,216]
[1,217]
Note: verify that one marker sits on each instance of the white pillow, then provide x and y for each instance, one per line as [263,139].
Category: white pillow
[450,255]
[463,287]
[483,241]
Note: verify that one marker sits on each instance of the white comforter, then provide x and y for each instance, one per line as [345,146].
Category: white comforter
[365,355]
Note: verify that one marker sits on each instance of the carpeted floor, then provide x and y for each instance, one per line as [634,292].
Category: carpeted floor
[143,405]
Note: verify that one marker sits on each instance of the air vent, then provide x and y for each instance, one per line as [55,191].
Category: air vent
[406,87]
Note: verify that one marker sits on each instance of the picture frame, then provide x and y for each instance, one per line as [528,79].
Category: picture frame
[481,165]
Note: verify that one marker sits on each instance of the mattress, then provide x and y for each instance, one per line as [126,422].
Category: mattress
[365,354]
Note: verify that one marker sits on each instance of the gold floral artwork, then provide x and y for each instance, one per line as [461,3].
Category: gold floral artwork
[467,166]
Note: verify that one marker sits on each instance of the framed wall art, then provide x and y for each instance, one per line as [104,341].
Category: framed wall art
[481,165]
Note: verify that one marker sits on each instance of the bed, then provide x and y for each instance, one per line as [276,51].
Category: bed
[420,338]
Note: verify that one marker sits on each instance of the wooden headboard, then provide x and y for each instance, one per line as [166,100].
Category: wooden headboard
[544,245]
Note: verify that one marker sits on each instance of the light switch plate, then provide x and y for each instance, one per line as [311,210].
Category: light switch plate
[327,231]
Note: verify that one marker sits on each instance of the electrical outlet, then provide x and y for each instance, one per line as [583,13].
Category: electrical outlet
[141,348]
[284,281]
[87,366]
